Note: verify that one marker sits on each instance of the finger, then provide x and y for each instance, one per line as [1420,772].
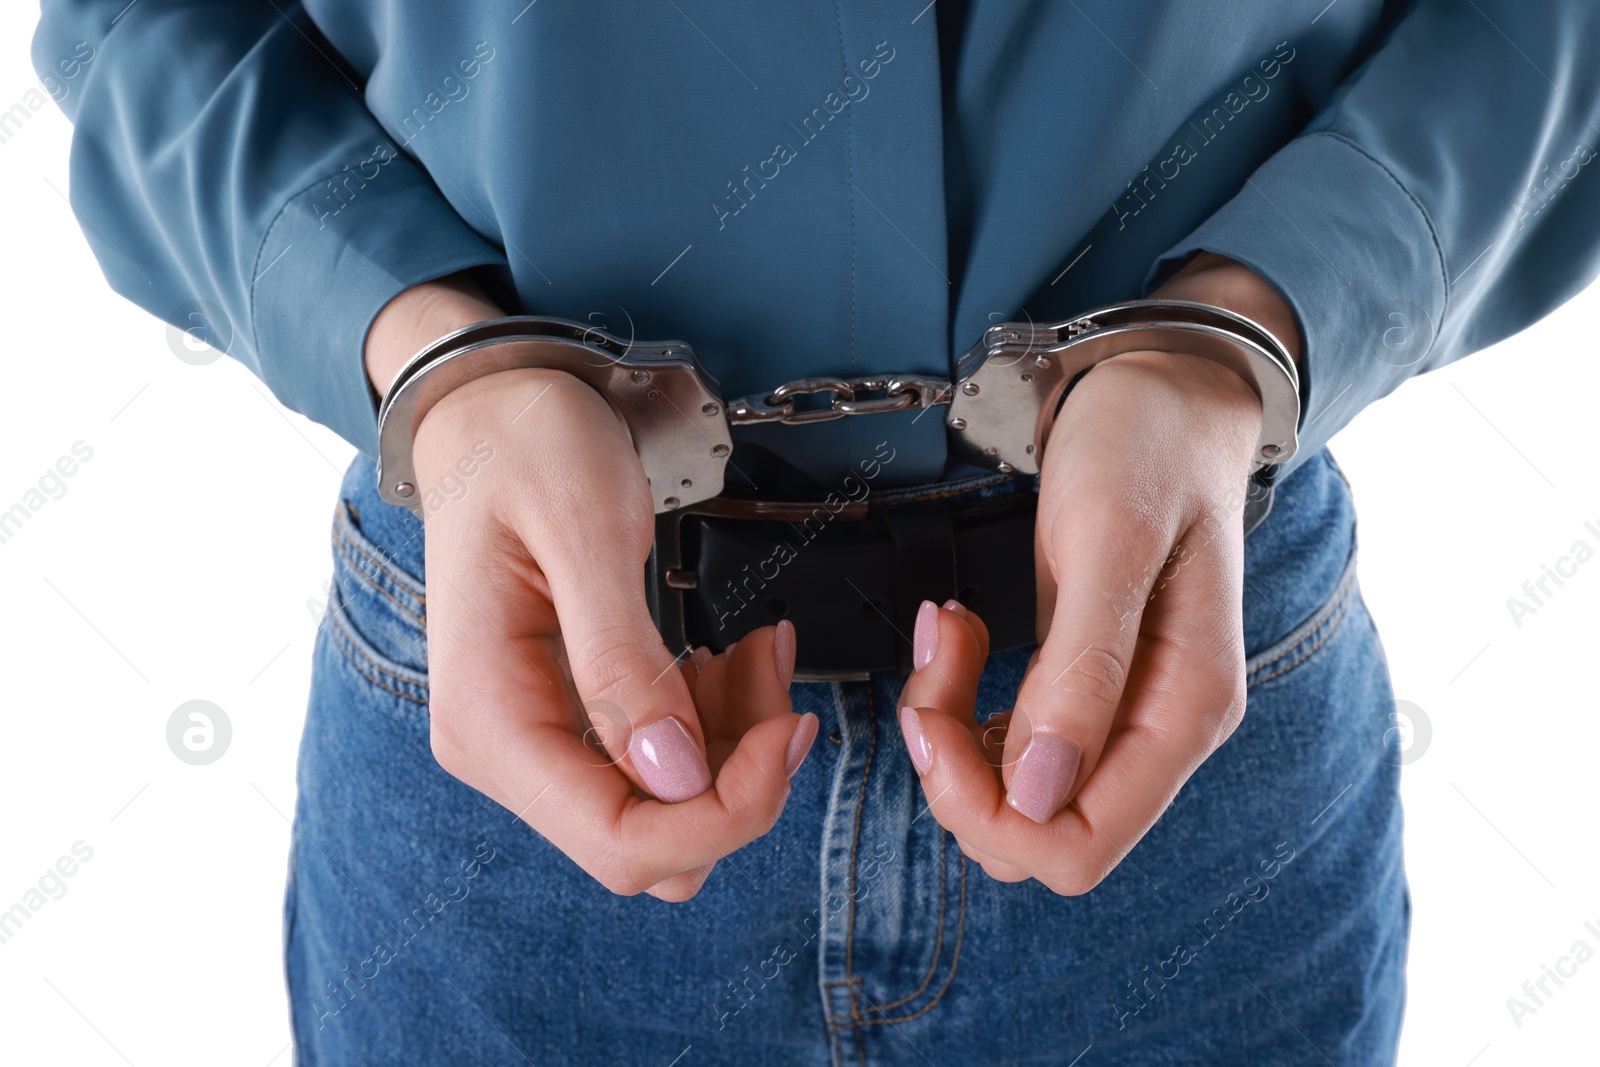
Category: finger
[690,668]
[962,789]
[1185,696]
[681,887]
[968,799]
[999,870]
[949,661]
[1100,560]
[759,670]
[979,628]
[743,686]
[992,738]
[709,687]
[749,794]
[503,722]
[630,844]
[619,666]
[948,681]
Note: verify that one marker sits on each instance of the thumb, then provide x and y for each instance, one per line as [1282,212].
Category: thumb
[591,546]
[1070,697]
[639,704]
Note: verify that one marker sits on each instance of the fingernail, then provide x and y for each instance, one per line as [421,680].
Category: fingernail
[783,652]
[800,744]
[1043,777]
[669,762]
[916,740]
[925,638]
[954,605]
[701,656]
[729,650]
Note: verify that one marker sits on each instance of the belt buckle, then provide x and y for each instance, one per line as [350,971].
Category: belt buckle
[667,576]
[977,548]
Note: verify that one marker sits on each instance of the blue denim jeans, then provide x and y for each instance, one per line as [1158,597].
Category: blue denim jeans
[1263,920]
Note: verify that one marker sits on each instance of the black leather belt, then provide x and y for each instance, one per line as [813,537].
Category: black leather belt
[849,574]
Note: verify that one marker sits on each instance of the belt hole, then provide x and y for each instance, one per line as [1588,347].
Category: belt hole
[872,608]
[777,607]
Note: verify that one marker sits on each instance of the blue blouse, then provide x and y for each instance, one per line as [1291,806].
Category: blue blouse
[828,188]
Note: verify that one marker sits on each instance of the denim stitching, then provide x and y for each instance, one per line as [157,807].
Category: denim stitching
[343,632]
[835,1032]
[1325,636]
[1292,641]
[855,843]
[402,581]
[390,574]
[1296,639]
[401,674]
[376,586]
[938,945]
[351,532]
[955,961]
[349,518]
[1303,630]
[346,653]
[854,981]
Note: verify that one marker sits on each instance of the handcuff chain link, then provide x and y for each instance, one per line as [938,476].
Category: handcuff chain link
[900,391]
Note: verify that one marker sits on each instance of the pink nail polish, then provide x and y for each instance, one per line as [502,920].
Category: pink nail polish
[800,744]
[954,605]
[668,761]
[783,649]
[916,740]
[925,638]
[1043,777]
[701,656]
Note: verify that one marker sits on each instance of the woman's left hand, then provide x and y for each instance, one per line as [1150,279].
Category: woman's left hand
[1139,675]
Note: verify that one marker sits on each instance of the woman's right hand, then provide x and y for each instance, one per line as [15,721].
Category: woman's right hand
[550,689]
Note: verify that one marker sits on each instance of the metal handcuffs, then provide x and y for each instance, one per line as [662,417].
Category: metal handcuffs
[1003,401]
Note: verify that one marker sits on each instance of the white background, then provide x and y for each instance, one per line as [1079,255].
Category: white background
[179,564]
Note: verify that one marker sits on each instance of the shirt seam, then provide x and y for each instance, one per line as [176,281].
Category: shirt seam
[261,250]
[850,180]
[1422,212]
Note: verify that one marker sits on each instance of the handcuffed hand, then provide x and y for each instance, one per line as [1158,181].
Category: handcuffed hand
[1139,676]
[1140,672]
[550,689]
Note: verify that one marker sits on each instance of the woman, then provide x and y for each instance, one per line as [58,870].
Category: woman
[729,864]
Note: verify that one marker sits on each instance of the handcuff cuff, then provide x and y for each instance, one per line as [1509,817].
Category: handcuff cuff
[1003,400]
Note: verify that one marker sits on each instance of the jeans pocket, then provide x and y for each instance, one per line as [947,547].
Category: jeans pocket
[377,610]
[1308,635]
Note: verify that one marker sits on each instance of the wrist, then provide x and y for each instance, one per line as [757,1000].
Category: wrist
[418,316]
[1214,279]
[494,403]
[1208,400]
